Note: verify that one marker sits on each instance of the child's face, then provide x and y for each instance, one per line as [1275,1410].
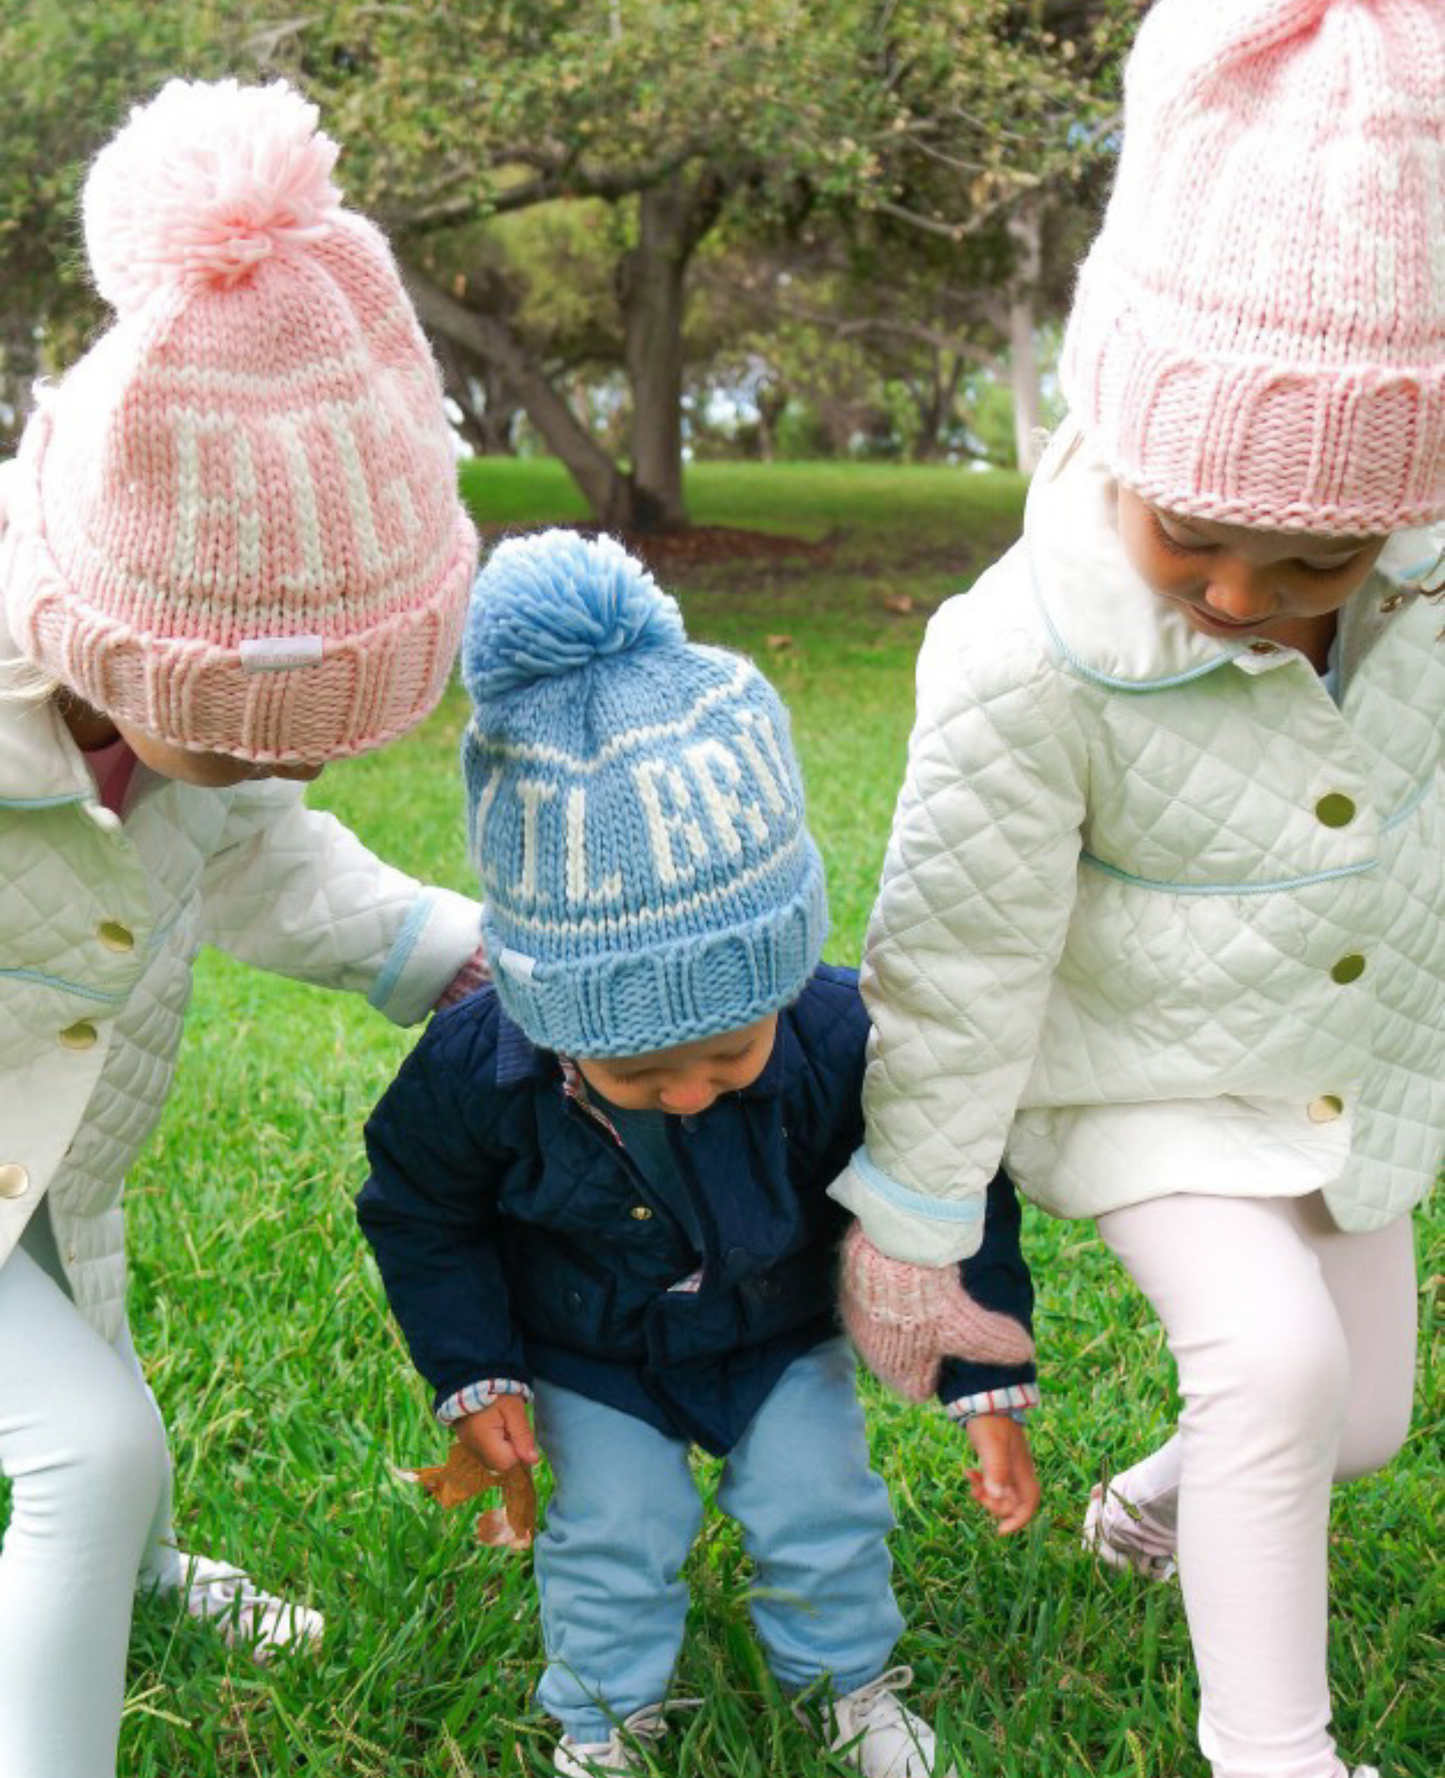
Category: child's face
[1233,580]
[687,1078]
[212,771]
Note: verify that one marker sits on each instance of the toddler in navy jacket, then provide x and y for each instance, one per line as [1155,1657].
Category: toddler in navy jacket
[600,1184]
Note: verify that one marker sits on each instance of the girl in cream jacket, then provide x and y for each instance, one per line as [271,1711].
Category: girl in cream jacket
[1163,916]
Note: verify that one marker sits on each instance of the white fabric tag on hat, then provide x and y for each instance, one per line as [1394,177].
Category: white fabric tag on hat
[274,654]
[517,963]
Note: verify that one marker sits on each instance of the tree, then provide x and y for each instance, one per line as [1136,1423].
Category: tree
[892,120]
[919,116]
[68,74]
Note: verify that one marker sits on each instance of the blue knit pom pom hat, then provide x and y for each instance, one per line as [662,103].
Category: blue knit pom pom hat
[634,809]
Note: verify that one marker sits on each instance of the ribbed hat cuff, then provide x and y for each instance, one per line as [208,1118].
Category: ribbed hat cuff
[364,690]
[628,1003]
[1343,450]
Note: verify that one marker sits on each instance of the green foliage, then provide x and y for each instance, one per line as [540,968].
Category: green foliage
[943,112]
[506,145]
[70,75]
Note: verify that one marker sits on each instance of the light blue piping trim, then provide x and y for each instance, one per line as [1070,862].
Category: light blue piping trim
[41,802]
[56,981]
[1408,807]
[1419,572]
[1324,876]
[969,1210]
[153,944]
[160,934]
[1403,813]
[1115,684]
[402,947]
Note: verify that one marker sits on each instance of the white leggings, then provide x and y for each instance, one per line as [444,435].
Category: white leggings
[1295,1345]
[84,1450]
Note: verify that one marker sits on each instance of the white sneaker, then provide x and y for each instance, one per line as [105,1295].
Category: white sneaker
[245,1615]
[612,1758]
[1366,1772]
[874,1731]
[1119,1536]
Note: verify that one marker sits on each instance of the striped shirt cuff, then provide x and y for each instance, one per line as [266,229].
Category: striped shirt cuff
[1015,1400]
[473,974]
[477,1396]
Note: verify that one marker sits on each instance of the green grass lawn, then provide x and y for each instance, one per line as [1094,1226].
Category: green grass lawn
[290,1397]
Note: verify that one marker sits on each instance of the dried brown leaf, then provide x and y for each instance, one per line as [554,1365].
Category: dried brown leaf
[463,1476]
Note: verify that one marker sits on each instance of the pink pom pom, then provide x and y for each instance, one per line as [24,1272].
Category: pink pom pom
[202,185]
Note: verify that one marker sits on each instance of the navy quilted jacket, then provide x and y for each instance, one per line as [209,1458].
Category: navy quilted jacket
[517,1239]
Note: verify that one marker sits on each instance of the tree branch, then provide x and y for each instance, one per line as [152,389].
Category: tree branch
[491,339]
[565,179]
[854,326]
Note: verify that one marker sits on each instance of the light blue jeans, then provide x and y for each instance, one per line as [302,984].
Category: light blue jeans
[624,1514]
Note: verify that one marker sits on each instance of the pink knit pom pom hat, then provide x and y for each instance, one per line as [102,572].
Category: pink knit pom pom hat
[235,522]
[1258,333]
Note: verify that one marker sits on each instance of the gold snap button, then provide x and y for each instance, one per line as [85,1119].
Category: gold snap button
[1392,602]
[116,937]
[14,1180]
[1262,647]
[640,1213]
[1348,969]
[1335,810]
[1325,1109]
[79,1036]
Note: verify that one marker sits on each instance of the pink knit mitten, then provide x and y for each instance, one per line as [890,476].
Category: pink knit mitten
[473,974]
[906,1319]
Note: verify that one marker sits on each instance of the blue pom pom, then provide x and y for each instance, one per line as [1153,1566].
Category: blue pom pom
[551,604]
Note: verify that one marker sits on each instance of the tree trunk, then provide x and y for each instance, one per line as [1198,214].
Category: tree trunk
[605,488]
[673,217]
[1023,356]
[935,402]
[487,406]
[771,401]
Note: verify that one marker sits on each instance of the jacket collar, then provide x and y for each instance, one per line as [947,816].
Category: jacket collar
[519,1059]
[40,765]
[1105,623]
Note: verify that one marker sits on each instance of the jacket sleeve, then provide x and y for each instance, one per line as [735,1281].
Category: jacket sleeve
[429,1208]
[292,890]
[996,1277]
[825,1088]
[978,887]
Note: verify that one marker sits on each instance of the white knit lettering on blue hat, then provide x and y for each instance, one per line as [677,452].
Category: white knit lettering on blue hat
[634,806]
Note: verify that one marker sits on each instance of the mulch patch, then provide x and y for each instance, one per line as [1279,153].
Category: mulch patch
[763,563]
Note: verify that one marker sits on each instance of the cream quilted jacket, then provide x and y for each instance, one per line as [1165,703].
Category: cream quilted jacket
[99,923]
[1157,915]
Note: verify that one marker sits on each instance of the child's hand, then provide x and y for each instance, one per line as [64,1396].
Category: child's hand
[1006,1485]
[501,1435]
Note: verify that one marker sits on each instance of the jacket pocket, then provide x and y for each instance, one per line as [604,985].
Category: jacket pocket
[788,1295]
[566,1299]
